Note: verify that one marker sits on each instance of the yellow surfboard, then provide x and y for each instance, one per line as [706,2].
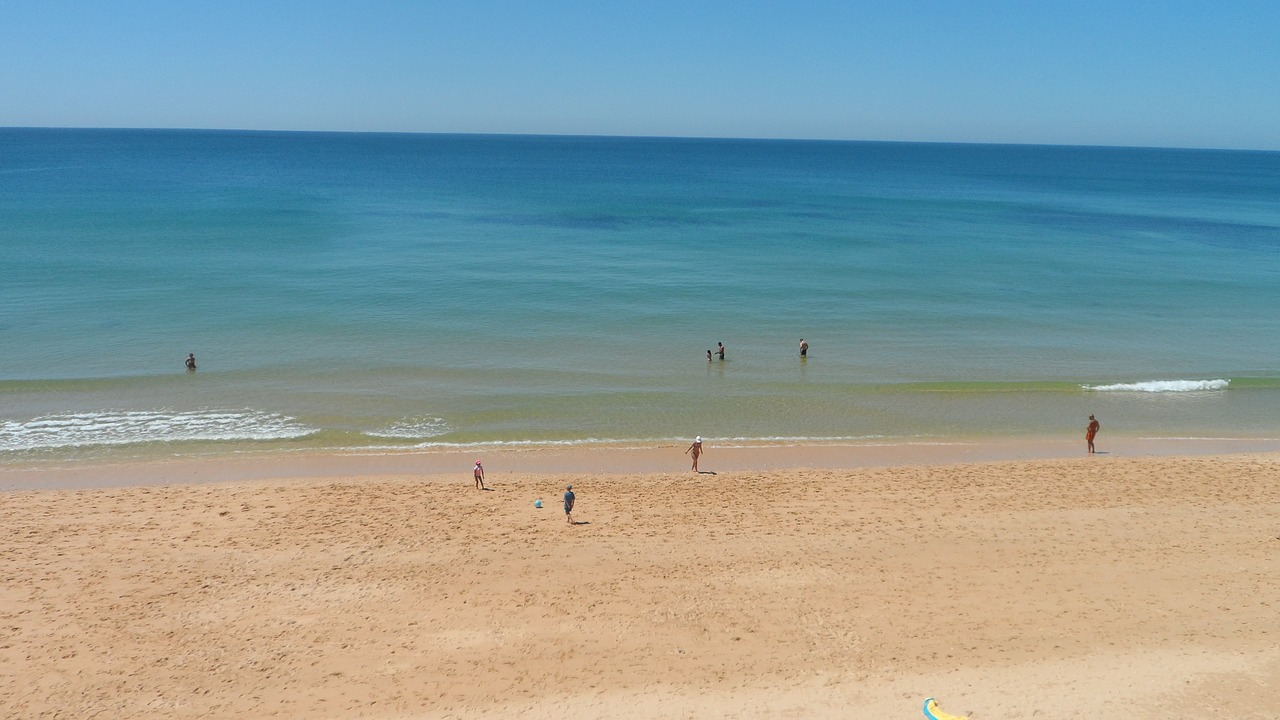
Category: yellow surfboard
[932,712]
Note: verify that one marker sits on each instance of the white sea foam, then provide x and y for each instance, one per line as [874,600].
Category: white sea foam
[649,442]
[124,427]
[1162,386]
[414,428]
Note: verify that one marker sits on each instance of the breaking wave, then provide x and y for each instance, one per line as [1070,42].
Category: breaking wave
[1162,386]
[128,427]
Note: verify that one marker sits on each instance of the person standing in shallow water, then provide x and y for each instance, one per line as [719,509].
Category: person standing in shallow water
[191,362]
[804,348]
[695,450]
[1091,432]
[720,350]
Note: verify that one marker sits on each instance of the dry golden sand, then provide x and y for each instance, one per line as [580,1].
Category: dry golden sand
[1096,588]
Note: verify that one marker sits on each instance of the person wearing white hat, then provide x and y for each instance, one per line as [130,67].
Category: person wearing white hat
[479,473]
[695,450]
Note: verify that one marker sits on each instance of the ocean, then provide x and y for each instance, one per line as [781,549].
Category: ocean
[387,292]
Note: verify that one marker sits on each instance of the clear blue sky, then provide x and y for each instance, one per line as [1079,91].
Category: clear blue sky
[1173,73]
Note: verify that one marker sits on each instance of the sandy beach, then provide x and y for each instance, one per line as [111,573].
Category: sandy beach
[1093,587]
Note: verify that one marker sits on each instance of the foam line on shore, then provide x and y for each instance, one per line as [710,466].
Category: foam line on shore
[445,464]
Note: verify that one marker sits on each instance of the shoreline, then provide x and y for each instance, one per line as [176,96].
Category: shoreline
[603,459]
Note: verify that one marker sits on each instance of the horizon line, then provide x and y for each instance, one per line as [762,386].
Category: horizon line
[609,136]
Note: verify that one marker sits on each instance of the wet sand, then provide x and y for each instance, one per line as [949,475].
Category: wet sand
[601,459]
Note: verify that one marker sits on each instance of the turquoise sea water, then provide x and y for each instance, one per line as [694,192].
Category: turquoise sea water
[402,291]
